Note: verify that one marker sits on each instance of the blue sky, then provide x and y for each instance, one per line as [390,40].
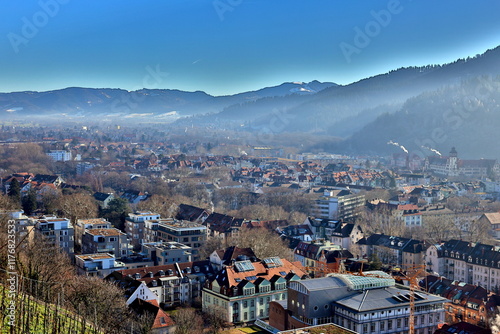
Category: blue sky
[229,46]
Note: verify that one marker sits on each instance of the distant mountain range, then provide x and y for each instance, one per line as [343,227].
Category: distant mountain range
[436,106]
[76,101]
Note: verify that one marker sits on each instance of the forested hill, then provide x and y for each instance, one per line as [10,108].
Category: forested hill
[465,115]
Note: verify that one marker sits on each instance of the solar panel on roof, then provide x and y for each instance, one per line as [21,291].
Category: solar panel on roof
[272,262]
[242,266]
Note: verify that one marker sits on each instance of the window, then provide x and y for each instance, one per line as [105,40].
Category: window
[245,316]
[245,303]
[382,326]
[252,303]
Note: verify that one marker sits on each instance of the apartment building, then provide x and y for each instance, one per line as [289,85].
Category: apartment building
[106,240]
[188,233]
[59,231]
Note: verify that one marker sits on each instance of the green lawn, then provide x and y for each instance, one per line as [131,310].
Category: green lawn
[253,330]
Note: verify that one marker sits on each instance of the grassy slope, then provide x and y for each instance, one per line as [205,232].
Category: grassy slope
[35,317]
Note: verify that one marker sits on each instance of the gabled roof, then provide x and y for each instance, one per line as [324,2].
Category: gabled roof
[233,253]
[128,276]
[191,213]
[101,197]
[231,276]
[493,218]
[159,318]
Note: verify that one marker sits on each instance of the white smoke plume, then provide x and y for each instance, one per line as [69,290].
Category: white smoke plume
[390,142]
[432,150]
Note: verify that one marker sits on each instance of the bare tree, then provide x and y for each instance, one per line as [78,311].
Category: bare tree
[142,323]
[439,228]
[78,206]
[163,205]
[381,220]
[212,244]
[99,302]
[263,242]
[215,319]
[42,261]
[261,212]
[187,321]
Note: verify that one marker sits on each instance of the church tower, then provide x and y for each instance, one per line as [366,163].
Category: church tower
[452,163]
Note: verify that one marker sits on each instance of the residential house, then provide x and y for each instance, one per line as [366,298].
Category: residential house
[300,232]
[462,327]
[465,302]
[169,285]
[394,251]
[153,316]
[192,213]
[103,199]
[226,257]
[309,253]
[491,219]
[134,196]
[340,233]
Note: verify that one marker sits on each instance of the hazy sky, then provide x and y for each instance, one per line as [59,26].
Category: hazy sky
[230,46]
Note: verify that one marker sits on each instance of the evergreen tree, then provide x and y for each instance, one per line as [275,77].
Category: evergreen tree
[116,212]
[375,263]
[15,190]
[29,202]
